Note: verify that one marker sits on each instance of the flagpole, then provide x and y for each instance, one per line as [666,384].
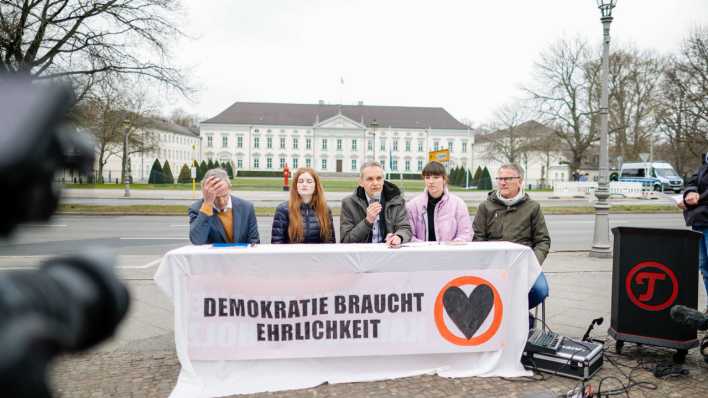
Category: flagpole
[341,90]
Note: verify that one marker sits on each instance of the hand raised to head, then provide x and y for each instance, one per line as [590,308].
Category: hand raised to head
[208,189]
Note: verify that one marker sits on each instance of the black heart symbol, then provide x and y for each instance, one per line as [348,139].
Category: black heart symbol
[468,313]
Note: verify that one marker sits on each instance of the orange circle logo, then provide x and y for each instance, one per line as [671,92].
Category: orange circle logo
[468,312]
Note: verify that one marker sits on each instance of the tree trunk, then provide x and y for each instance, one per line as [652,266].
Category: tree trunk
[100,167]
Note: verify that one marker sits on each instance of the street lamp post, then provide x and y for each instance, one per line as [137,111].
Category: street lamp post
[126,180]
[193,172]
[601,237]
[373,125]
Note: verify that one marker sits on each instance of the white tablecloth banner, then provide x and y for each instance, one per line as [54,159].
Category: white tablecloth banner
[275,317]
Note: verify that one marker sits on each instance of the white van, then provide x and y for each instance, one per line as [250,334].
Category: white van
[658,176]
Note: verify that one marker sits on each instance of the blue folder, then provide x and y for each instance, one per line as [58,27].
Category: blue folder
[230,245]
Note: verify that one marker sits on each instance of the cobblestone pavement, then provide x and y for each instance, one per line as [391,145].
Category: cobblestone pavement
[153,374]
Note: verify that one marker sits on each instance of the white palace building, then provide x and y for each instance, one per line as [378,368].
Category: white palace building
[333,139]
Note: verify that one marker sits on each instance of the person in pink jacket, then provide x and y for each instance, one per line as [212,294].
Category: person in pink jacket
[436,214]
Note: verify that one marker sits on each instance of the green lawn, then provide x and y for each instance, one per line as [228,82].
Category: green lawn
[269,211]
[263,184]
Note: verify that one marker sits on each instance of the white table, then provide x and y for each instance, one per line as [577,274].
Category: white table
[207,378]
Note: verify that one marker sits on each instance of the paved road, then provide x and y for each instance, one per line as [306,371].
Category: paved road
[152,236]
[113,197]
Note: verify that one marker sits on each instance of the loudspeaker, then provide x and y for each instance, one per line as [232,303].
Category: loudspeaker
[652,270]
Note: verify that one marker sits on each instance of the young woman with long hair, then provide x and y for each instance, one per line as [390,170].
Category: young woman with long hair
[305,217]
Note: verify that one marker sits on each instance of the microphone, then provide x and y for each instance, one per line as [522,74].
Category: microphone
[376,197]
[595,322]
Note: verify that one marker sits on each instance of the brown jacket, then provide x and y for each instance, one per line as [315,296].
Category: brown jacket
[521,223]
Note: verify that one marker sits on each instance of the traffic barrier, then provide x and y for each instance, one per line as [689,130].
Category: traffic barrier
[587,188]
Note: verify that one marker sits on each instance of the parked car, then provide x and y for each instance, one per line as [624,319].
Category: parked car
[658,176]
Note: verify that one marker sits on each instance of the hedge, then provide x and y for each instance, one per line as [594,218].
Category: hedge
[258,173]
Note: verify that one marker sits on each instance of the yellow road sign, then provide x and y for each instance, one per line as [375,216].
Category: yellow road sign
[441,156]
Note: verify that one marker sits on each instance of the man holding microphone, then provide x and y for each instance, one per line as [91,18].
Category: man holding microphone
[375,212]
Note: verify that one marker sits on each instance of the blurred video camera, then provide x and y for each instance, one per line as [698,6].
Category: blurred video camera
[71,303]
[695,319]
[35,144]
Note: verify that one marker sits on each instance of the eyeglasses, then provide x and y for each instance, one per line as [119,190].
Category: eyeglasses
[505,179]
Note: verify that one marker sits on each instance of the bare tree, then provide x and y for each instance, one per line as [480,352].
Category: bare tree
[121,121]
[86,41]
[509,139]
[565,95]
[96,115]
[690,78]
[682,114]
[634,78]
[180,117]
[545,142]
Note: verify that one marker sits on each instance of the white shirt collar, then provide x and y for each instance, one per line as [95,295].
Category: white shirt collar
[228,206]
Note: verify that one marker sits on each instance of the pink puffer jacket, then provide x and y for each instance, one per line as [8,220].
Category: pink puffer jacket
[452,219]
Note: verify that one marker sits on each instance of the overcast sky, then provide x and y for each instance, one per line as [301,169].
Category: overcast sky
[469,57]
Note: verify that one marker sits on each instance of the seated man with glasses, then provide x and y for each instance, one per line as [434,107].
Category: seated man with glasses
[509,214]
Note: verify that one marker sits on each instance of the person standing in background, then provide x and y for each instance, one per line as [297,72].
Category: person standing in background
[695,213]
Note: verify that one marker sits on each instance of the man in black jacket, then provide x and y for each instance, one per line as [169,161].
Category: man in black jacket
[695,203]
[375,212]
